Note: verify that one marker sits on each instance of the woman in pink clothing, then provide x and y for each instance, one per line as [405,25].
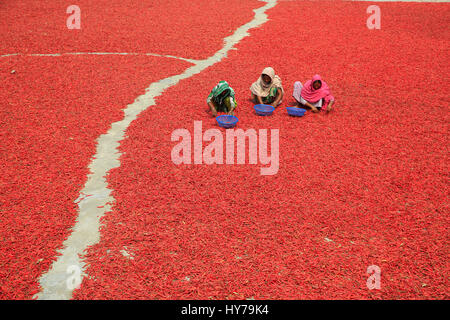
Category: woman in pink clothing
[315,94]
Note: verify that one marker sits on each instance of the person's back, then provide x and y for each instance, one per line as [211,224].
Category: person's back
[222,99]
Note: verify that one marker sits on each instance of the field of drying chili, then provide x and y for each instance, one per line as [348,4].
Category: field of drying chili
[366,184]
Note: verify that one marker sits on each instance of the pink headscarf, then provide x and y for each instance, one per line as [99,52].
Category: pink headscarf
[312,95]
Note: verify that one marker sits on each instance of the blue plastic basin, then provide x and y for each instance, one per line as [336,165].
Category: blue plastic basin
[263,109]
[227,121]
[295,112]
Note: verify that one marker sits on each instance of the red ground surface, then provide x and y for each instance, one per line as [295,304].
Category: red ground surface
[53,110]
[371,176]
[164,27]
[366,184]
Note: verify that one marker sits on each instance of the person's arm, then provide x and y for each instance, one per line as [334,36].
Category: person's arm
[313,109]
[259,99]
[329,105]
[233,105]
[278,98]
[212,107]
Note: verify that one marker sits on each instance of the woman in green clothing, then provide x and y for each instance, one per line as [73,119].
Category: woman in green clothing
[221,99]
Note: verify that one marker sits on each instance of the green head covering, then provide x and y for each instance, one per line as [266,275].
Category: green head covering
[221,91]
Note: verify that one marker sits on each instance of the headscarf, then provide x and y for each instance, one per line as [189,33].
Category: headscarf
[221,91]
[313,95]
[262,89]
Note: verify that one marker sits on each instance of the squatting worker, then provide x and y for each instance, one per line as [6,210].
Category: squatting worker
[314,95]
[267,89]
[221,99]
